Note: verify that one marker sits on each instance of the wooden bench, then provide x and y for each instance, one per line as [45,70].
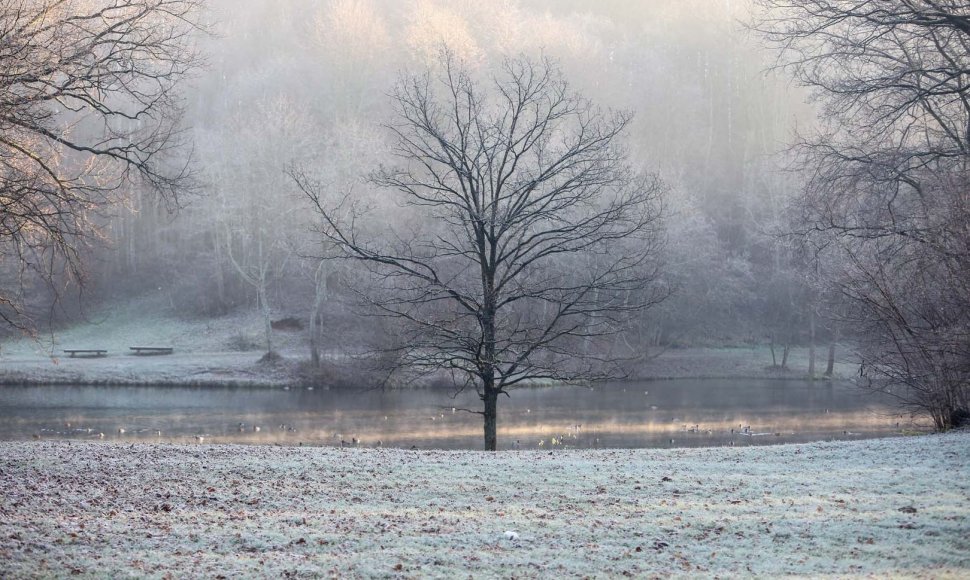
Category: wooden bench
[86,352]
[148,350]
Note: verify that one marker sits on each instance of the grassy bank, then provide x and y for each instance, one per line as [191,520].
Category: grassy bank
[895,507]
[227,351]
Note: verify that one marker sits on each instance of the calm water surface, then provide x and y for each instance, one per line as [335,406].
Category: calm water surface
[678,413]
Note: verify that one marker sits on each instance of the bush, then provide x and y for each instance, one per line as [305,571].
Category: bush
[244,342]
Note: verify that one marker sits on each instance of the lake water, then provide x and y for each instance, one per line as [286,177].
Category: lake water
[675,413]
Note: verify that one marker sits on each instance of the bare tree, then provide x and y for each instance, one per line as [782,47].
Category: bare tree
[886,198]
[252,191]
[88,109]
[532,235]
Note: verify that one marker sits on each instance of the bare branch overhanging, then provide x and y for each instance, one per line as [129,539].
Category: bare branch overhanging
[886,202]
[88,111]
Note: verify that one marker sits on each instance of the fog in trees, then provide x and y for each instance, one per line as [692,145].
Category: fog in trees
[540,239]
[485,195]
[885,205]
[88,113]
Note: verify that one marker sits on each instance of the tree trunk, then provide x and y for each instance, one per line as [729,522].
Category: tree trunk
[811,344]
[784,354]
[490,398]
[320,295]
[267,317]
[830,367]
[771,345]
[487,362]
[221,305]
[314,339]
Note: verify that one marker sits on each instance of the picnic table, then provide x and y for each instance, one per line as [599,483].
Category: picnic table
[149,350]
[86,352]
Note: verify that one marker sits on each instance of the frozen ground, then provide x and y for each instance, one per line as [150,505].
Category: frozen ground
[215,351]
[895,507]
[227,350]
[746,363]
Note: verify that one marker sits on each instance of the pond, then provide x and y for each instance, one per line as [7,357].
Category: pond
[674,413]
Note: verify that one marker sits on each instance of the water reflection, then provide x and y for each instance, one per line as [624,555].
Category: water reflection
[682,413]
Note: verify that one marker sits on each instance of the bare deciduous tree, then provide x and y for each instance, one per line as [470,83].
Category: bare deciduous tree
[534,236]
[886,198]
[88,110]
[245,158]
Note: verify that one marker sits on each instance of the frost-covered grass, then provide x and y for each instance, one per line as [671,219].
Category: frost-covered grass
[745,362]
[227,350]
[895,507]
[207,351]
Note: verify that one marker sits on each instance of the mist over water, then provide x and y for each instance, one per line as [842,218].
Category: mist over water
[682,413]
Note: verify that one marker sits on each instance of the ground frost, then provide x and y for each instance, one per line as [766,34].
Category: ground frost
[888,507]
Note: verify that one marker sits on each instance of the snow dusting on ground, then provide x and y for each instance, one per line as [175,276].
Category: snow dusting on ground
[227,351]
[896,507]
[217,351]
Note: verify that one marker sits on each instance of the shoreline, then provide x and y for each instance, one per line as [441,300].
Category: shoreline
[221,369]
[225,352]
[95,509]
[232,384]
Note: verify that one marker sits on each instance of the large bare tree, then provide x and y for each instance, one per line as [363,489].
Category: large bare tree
[886,199]
[524,235]
[88,110]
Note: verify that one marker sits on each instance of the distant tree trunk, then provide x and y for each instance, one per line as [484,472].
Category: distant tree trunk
[261,290]
[320,295]
[314,339]
[771,345]
[785,353]
[258,277]
[830,367]
[811,343]
[267,316]
[220,276]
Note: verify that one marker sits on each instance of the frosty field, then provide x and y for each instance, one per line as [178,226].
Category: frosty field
[896,507]
[226,351]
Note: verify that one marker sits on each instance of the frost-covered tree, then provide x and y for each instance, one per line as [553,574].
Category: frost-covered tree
[532,235]
[247,168]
